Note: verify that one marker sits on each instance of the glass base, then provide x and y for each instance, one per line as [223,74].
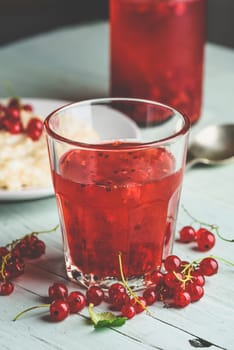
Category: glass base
[136,283]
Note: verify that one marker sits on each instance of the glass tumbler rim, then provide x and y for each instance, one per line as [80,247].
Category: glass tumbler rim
[137,144]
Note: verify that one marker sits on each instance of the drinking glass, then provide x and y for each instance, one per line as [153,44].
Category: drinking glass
[117,186]
[157,52]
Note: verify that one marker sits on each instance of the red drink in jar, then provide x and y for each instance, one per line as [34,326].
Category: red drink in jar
[117,200]
[157,52]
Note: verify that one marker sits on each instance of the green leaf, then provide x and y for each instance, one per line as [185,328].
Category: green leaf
[105,319]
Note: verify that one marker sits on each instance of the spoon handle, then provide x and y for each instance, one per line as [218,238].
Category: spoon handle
[189,164]
[191,160]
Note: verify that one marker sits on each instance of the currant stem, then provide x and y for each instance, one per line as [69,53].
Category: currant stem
[47,231]
[4,262]
[211,226]
[187,277]
[8,87]
[216,229]
[222,259]
[29,309]
[127,286]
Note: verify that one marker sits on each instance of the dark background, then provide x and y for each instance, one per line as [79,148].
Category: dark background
[23,18]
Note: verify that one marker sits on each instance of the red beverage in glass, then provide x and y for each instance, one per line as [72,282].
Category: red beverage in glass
[117,200]
[157,52]
[117,187]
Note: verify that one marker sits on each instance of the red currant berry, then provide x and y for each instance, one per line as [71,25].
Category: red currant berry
[187,234]
[150,296]
[14,127]
[36,249]
[198,278]
[157,277]
[34,128]
[208,266]
[58,291]
[40,248]
[139,305]
[59,310]
[115,290]
[28,108]
[182,299]
[13,113]
[200,231]
[76,301]
[14,102]
[128,311]
[14,267]
[119,300]
[172,263]
[6,288]
[196,292]
[172,280]
[21,248]
[205,240]
[94,295]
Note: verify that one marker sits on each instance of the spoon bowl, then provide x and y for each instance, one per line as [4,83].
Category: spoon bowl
[213,145]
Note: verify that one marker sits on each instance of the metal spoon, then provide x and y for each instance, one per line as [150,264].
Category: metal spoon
[212,145]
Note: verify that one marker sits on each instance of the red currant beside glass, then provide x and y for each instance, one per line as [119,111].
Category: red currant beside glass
[187,234]
[139,304]
[172,263]
[58,291]
[205,240]
[6,288]
[182,299]
[76,301]
[59,310]
[208,266]
[95,295]
[150,296]
[128,311]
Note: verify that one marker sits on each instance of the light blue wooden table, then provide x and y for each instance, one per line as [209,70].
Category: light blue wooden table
[72,64]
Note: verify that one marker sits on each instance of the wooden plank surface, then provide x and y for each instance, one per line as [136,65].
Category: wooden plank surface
[73,64]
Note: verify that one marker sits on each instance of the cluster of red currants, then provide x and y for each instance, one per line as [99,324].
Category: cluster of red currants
[204,239]
[11,121]
[180,284]
[12,259]
[64,303]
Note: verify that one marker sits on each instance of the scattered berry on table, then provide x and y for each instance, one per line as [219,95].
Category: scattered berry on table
[76,301]
[187,234]
[128,311]
[59,310]
[208,266]
[58,291]
[94,295]
[205,240]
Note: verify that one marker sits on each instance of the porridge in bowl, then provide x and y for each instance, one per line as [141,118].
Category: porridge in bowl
[23,153]
[24,162]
